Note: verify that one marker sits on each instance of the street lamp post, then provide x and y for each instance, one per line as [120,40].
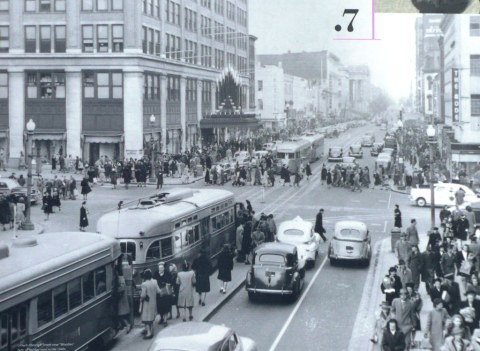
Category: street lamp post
[152,144]
[28,225]
[432,142]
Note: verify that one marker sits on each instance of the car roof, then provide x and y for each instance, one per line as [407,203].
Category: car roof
[280,248]
[296,223]
[336,147]
[10,182]
[356,145]
[351,225]
[192,336]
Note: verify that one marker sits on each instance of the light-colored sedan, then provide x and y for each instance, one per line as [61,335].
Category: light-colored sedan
[301,234]
[351,241]
[200,336]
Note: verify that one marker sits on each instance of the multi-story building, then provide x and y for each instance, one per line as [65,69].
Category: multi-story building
[428,62]
[91,73]
[359,88]
[270,94]
[461,62]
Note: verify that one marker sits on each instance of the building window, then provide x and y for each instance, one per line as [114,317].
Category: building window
[87,38]
[475,65]
[45,85]
[30,5]
[144,40]
[475,103]
[475,26]
[173,88]
[102,5]
[260,104]
[74,293]
[4,5]
[102,85]
[191,90]
[117,85]
[219,6]
[4,39]
[60,39]
[117,37]
[87,5]
[241,17]
[206,3]
[117,5]
[44,308]
[260,85]
[172,47]
[3,85]
[45,39]
[151,86]
[45,6]
[230,36]
[102,38]
[173,12]
[157,39]
[190,20]
[206,92]
[150,41]
[230,11]
[59,5]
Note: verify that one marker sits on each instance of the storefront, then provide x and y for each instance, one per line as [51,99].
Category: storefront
[94,147]
[49,144]
[465,157]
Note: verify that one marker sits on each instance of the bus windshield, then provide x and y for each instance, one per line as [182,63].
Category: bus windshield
[291,155]
[281,155]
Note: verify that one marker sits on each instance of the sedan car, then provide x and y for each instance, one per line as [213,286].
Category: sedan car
[335,154]
[200,336]
[355,151]
[376,149]
[351,241]
[276,269]
[368,140]
[11,187]
[300,233]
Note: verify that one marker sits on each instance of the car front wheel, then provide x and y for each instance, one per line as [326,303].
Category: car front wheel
[421,202]
[252,296]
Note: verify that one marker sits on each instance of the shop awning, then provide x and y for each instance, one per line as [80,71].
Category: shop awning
[48,136]
[103,139]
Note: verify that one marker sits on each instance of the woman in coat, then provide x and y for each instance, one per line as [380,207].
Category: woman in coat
[381,319]
[247,240]
[4,212]
[127,174]
[202,268]
[391,285]
[47,204]
[148,302]
[415,263]
[397,216]
[225,266]
[123,306]
[436,321]
[113,177]
[207,176]
[172,268]
[164,306]
[83,216]
[308,171]
[329,179]
[85,187]
[186,282]
[393,338]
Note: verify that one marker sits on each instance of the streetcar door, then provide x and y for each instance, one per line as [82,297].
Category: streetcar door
[13,328]
[205,232]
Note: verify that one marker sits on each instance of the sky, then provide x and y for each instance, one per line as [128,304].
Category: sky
[308,25]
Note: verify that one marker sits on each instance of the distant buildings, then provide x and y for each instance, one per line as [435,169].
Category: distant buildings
[296,88]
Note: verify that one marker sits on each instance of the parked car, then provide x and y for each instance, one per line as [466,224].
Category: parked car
[300,233]
[351,241]
[335,154]
[276,269]
[11,187]
[200,336]
[368,140]
[444,195]
[356,151]
[376,149]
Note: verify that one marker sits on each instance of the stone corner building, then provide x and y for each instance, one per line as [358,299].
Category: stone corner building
[90,73]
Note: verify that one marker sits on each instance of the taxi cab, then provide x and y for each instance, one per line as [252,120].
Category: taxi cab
[351,241]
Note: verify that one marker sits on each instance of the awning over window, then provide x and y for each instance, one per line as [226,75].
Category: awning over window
[48,136]
[107,139]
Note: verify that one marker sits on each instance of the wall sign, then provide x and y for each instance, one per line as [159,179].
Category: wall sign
[455,95]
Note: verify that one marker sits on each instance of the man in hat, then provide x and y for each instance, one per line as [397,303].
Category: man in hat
[403,311]
[448,261]
[461,228]
[434,239]
[403,248]
[404,273]
[412,233]
[470,310]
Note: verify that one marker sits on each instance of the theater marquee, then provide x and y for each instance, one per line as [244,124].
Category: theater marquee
[455,95]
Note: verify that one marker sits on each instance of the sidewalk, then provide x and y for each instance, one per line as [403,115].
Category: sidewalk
[47,173]
[214,301]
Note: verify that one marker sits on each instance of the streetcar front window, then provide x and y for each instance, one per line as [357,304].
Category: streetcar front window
[88,286]
[129,248]
[281,155]
[291,155]
[101,280]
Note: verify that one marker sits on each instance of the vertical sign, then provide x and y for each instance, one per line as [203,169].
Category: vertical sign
[455,95]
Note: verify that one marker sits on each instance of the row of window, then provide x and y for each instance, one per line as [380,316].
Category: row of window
[106,38]
[206,3]
[219,32]
[230,11]
[45,39]
[206,92]
[190,20]
[160,249]
[219,6]
[219,61]
[222,220]
[57,302]
[45,5]
[45,85]
[173,88]
[205,26]
[191,90]
[151,7]
[191,51]
[16,319]
[151,41]
[173,47]
[173,12]
[102,85]
[102,5]
[151,86]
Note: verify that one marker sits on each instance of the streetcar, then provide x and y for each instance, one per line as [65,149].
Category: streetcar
[58,287]
[172,227]
[317,145]
[292,153]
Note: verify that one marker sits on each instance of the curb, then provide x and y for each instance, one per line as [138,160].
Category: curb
[227,298]
[398,191]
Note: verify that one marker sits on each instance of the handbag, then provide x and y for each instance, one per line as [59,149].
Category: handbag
[465,268]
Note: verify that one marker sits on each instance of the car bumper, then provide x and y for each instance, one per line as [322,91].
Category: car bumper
[355,155]
[270,291]
[347,258]
[335,159]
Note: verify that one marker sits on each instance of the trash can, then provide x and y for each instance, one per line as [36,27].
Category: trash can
[395,236]
[199,171]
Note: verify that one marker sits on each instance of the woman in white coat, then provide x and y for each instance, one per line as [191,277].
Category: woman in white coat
[186,281]
[148,299]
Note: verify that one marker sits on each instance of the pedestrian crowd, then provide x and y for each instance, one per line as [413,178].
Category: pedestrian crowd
[449,268]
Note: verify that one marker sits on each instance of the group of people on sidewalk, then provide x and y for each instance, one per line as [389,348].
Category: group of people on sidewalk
[449,268]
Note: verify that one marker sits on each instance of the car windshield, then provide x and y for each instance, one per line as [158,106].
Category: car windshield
[293,234]
[271,258]
[350,233]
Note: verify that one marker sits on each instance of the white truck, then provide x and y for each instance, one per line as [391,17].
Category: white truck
[444,195]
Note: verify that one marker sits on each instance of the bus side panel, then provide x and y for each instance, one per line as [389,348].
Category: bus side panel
[83,326]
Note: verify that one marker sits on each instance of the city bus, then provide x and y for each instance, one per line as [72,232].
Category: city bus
[317,145]
[292,153]
[172,227]
[58,288]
